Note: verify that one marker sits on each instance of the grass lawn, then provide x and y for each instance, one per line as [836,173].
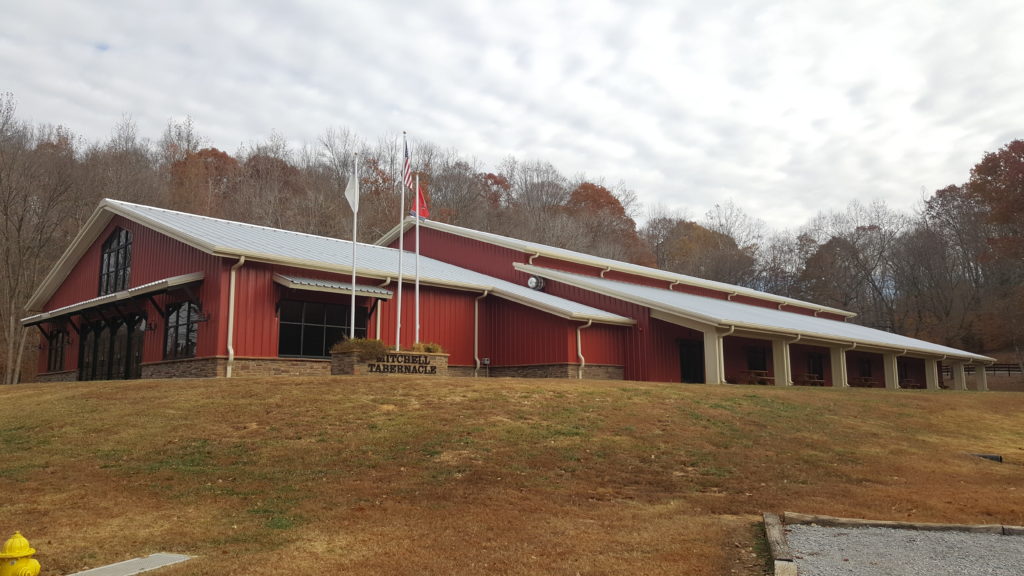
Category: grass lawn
[408,475]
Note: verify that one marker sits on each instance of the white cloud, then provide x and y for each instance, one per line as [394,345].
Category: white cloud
[786,108]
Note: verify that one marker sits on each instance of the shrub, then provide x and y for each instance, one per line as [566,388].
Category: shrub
[365,348]
[428,347]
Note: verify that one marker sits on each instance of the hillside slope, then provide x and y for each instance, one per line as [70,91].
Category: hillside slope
[462,476]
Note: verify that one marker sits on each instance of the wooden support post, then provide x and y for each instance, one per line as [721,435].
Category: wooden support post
[780,358]
[959,379]
[714,358]
[931,373]
[890,371]
[837,359]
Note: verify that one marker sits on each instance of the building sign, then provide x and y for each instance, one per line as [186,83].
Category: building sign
[402,363]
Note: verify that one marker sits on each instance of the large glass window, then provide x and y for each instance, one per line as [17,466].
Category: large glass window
[310,328]
[182,329]
[55,350]
[116,262]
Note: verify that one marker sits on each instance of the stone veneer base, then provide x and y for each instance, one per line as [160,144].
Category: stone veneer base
[216,367]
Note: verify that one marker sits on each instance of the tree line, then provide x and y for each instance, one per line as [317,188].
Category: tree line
[950,272]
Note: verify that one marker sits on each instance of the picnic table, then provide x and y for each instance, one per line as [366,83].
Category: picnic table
[863,382]
[758,377]
[810,380]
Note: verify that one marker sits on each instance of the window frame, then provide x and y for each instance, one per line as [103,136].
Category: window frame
[175,326]
[115,262]
[304,327]
[56,353]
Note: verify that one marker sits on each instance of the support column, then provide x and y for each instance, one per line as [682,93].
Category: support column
[959,379]
[783,372]
[931,373]
[837,360]
[890,371]
[714,358]
[981,377]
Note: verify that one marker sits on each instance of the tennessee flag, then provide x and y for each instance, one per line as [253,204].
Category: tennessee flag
[421,209]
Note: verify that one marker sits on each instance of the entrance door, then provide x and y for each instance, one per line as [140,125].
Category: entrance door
[691,361]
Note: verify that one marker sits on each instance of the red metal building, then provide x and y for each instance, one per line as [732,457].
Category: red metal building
[147,292]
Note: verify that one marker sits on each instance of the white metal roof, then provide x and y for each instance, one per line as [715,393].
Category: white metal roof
[260,243]
[320,285]
[725,313]
[580,258]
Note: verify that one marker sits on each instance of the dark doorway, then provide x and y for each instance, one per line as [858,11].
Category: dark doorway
[691,361]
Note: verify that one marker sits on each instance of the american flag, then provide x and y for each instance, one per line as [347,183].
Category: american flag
[408,168]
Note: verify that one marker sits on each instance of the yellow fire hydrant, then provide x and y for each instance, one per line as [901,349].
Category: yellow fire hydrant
[15,557]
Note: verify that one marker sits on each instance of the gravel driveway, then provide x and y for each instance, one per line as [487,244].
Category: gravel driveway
[824,551]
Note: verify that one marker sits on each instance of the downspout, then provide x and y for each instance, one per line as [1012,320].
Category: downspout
[377,307]
[476,330]
[673,284]
[231,317]
[579,348]
[530,261]
[788,358]
[730,297]
[605,271]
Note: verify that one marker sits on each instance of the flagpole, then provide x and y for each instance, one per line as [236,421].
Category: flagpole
[417,258]
[355,227]
[401,243]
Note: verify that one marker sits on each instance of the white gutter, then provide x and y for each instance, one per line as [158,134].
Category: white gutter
[231,317]
[579,349]
[476,331]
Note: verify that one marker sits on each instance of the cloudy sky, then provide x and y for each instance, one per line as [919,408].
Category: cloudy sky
[785,108]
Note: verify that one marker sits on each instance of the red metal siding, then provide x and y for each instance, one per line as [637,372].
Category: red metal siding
[518,335]
[446,318]
[636,339]
[470,254]
[665,350]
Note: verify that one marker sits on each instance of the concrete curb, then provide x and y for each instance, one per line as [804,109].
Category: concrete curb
[835,522]
[782,554]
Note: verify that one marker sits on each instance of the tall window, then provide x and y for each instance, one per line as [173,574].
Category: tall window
[865,367]
[116,262]
[55,352]
[182,328]
[816,365]
[311,328]
[757,358]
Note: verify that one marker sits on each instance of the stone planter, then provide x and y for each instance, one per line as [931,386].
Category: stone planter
[417,363]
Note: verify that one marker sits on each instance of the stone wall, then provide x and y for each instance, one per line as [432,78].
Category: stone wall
[466,371]
[66,376]
[570,371]
[217,367]
[347,364]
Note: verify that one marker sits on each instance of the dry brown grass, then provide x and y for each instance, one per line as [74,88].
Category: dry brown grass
[460,476]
